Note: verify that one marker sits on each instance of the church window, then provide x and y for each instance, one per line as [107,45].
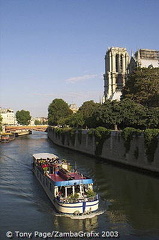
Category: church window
[121,62]
[117,60]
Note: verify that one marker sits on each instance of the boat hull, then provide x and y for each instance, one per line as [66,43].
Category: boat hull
[83,207]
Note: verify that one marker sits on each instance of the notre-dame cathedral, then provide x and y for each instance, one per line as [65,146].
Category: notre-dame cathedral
[118,65]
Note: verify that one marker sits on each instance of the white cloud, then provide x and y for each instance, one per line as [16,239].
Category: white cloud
[81,78]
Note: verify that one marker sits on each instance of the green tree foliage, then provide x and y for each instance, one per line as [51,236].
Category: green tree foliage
[37,122]
[128,133]
[106,115]
[126,113]
[112,115]
[103,115]
[76,120]
[23,117]
[87,110]
[151,142]
[152,117]
[101,134]
[132,114]
[142,87]
[58,110]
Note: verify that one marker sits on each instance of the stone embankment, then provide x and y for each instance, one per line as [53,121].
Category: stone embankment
[114,148]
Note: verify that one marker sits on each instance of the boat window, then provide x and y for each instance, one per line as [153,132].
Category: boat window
[69,190]
[61,191]
[77,189]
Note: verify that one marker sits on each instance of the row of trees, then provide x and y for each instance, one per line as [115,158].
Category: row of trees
[111,114]
[138,108]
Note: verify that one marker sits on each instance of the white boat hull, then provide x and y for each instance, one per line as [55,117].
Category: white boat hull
[82,207]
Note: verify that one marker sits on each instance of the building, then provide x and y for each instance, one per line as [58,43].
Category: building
[8,116]
[147,58]
[39,121]
[118,65]
[73,107]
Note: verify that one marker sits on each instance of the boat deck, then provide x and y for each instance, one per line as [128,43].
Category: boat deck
[74,175]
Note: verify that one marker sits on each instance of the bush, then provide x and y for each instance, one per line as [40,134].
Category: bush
[128,134]
[101,134]
[151,142]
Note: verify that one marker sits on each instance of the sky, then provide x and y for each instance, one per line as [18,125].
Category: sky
[55,48]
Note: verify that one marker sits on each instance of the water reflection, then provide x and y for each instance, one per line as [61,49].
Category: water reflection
[134,197]
[75,225]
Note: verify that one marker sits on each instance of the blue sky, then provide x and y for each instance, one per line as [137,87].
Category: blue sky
[56,48]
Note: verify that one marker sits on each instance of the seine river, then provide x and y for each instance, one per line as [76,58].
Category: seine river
[129,201]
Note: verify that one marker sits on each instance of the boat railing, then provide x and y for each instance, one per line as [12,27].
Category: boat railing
[78,200]
[93,198]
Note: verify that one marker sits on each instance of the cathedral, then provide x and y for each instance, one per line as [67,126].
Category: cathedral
[118,65]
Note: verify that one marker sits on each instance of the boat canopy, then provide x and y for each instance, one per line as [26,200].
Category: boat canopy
[73,182]
[45,156]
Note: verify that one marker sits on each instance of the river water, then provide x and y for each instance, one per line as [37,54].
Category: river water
[129,201]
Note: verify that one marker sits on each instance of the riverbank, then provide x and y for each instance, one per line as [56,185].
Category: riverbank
[134,152]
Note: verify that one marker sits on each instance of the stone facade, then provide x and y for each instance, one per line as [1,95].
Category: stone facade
[8,116]
[73,107]
[118,64]
[113,149]
[147,58]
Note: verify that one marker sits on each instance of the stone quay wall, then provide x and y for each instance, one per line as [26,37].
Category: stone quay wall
[113,149]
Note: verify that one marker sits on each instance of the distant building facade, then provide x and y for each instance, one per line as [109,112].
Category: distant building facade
[39,120]
[147,58]
[73,107]
[118,65]
[8,116]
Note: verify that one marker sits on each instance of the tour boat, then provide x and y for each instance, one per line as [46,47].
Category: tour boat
[7,137]
[23,132]
[70,191]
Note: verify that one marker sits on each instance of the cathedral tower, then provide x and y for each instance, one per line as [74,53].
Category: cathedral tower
[116,67]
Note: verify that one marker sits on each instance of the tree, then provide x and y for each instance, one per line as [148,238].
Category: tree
[37,122]
[152,117]
[87,109]
[108,115]
[76,120]
[142,87]
[114,115]
[132,114]
[23,117]
[100,116]
[57,110]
